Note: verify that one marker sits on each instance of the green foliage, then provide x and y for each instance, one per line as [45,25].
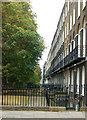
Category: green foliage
[36,76]
[22,46]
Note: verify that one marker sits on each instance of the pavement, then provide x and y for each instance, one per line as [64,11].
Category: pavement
[41,114]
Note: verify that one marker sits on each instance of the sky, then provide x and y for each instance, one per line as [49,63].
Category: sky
[48,13]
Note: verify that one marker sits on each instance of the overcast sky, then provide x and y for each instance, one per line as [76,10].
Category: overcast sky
[48,13]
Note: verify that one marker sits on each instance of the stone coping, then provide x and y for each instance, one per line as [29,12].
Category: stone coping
[26,108]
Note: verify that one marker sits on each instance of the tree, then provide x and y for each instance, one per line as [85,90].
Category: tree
[36,77]
[22,46]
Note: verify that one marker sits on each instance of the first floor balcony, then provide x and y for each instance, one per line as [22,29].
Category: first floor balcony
[76,55]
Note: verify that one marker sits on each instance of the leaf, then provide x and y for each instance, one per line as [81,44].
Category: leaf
[22,45]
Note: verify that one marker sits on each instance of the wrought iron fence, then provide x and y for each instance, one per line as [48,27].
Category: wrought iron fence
[44,96]
[34,96]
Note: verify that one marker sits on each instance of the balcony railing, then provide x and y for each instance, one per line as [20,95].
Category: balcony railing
[76,55]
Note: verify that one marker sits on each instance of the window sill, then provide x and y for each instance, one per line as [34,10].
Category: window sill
[78,17]
[83,8]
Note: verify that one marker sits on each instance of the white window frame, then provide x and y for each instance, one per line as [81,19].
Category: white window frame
[65,31]
[73,15]
[70,21]
[63,54]
[78,80]
[84,3]
[68,5]
[67,28]
[79,45]
[84,42]
[74,45]
[83,79]
[63,17]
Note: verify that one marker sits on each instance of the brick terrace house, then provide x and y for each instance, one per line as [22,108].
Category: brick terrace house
[67,59]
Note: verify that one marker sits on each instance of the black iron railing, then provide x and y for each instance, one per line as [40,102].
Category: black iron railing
[48,95]
[34,96]
[76,55]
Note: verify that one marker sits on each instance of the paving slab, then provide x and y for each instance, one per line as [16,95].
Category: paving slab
[41,114]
